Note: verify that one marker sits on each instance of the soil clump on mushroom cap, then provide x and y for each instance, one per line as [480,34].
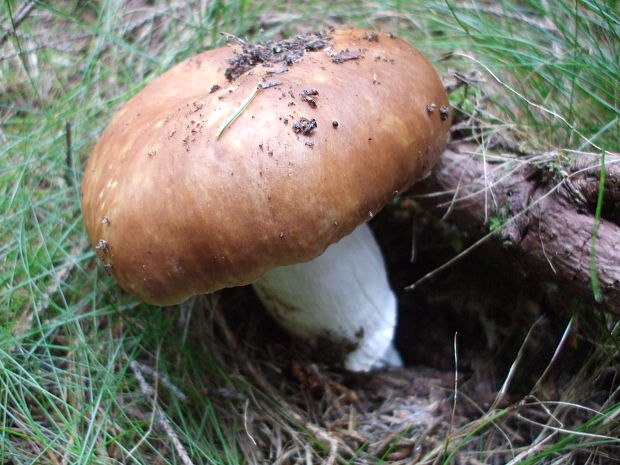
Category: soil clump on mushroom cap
[305,126]
[346,55]
[270,52]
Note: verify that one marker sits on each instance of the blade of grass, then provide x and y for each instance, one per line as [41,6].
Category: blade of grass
[596,288]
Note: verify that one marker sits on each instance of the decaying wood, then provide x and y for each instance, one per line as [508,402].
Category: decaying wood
[546,216]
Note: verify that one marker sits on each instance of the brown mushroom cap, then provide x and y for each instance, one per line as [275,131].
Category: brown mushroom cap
[174,210]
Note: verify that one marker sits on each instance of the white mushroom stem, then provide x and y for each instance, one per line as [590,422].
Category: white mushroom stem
[343,295]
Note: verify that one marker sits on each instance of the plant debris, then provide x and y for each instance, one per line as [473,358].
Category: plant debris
[305,126]
[268,52]
[103,247]
[224,393]
[214,88]
[371,37]
[444,113]
[283,68]
[346,55]
[239,110]
[308,96]
[267,85]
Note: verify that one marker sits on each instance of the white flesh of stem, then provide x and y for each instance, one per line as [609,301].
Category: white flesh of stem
[343,294]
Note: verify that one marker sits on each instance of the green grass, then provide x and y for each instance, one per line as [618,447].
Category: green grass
[68,335]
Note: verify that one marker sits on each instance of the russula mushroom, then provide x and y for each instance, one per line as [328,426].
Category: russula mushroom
[258,164]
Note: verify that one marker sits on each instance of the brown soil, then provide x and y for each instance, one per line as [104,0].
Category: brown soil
[270,52]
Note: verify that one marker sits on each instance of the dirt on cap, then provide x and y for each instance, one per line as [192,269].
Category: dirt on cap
[270,52]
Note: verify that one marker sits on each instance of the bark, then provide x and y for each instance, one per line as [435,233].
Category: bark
[546,216]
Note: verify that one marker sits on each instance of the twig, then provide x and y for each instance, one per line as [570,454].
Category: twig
[160,418]
[164,380]
[229,36]
[148,432]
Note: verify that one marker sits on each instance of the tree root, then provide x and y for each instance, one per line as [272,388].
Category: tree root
[543,218]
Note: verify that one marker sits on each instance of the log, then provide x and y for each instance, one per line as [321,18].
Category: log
[542,217]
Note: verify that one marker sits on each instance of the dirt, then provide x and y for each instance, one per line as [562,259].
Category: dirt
[270,52]
[305,126]
[309,96]
[371,37]
[444,112]
[346,55]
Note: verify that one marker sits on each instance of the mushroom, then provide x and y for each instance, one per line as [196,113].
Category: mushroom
[261,164]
